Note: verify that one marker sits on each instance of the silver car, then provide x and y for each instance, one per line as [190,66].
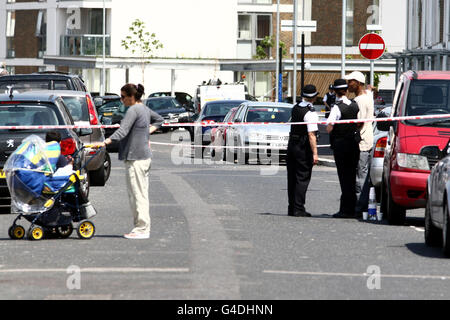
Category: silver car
[437,218]
[262,140]
[83,112]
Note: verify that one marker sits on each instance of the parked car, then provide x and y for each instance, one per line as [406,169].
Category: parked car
[81,106]
[170,109]
[214,111]
[185,99]
[379,147]
[275,136]
[102,100]
[83,112]
[42,81]
[407,164]
[437,219]
[36,108]
[112,112]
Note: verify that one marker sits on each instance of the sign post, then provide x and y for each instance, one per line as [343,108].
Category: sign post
[302,26]
[372,46]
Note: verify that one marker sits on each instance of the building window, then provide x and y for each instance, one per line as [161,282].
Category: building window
[41,33]
[252,28]
[10,28]
[349,23]
[96,21]
[255,1]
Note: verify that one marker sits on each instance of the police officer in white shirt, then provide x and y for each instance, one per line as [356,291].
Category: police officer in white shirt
[344,139]
[302,152]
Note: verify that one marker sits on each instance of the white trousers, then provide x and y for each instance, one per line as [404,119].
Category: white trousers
[137,176]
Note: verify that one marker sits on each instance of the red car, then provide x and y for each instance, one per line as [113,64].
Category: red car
[408,162]
[219,135]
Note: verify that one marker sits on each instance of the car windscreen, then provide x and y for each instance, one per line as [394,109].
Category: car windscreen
[162,104]
[110,106]
[268,114]
[428,97]
[78,108]
[29,114]
[218,109]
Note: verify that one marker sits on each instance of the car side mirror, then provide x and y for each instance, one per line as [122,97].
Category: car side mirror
[98,102]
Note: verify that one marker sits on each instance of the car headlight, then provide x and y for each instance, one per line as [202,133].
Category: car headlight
[184,115]
[255,136]
[412,161]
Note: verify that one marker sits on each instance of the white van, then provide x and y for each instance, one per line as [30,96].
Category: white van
[213,92]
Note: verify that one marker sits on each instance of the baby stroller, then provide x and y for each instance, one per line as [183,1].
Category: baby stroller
[48,198]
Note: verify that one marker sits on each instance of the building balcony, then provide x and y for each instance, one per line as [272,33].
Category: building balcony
[85,45]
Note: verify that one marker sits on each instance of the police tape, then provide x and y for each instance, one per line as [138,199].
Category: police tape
[255,146]
[228,124]
[349,121]
[50,127]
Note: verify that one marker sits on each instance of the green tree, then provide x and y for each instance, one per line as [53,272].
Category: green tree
[141,42]
[267,44]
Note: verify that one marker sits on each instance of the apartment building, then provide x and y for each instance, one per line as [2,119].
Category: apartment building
[428,37]
[202,39]
[323,47]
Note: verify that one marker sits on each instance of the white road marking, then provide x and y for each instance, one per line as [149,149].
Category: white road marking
[98,270]
[418,229]
[350,275]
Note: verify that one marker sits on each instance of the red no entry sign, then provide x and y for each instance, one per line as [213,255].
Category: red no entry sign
[371,46]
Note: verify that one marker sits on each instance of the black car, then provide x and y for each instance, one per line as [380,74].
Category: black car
[112,112]
[211,111]
[42,81]
[184,98]
[36,108]
[170,109]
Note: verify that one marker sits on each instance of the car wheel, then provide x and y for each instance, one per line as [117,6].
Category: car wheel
[84,187]
[396,214]
[433,236]
[101,175]
[446,232]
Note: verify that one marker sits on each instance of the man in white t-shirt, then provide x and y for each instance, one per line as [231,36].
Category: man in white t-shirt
[364,99]
[3,71]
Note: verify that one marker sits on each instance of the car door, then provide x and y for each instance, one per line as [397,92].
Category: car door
[387,164]
[233,131]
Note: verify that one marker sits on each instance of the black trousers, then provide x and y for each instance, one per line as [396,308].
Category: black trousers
[346,156]
[299,169]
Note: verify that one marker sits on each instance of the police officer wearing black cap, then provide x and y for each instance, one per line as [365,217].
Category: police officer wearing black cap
[329,100]
[302,152]
[344,139]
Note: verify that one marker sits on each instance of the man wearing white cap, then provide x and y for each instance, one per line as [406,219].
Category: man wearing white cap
[356,84]
[3,71]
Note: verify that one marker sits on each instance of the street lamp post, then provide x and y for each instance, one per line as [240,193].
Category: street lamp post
[103,84]
[294,94]
[344,31]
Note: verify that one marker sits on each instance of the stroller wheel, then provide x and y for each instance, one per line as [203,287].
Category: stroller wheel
[64,231]
[36,233]
[16,232]
[86,229]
